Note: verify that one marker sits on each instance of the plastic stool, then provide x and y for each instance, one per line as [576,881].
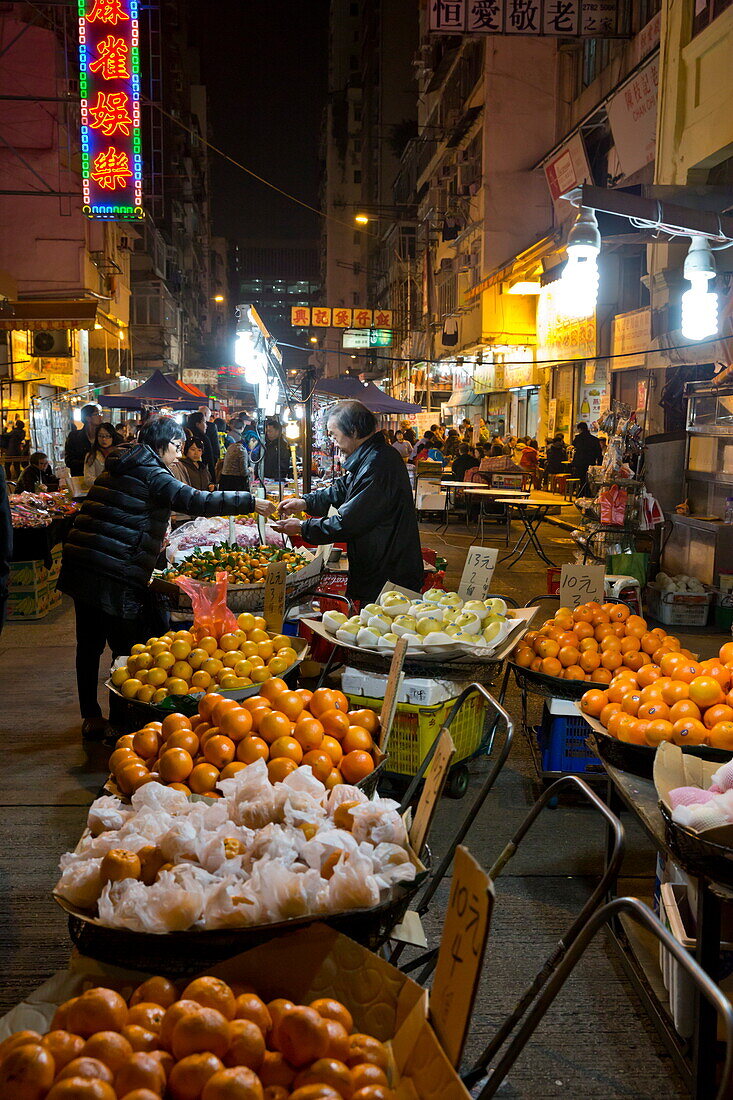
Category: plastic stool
[624,588]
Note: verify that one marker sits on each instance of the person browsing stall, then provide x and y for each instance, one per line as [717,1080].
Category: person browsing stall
[111,550]
[80,441]
[37,477]
[376,511]
[191,469]
[106,437]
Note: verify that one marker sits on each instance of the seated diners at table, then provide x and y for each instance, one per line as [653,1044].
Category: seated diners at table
[530,459]
[464,461]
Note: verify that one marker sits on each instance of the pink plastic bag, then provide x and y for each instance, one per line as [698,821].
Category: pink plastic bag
[211,616]
[613,505]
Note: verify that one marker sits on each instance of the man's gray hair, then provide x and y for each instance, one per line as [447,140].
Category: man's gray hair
[353,419]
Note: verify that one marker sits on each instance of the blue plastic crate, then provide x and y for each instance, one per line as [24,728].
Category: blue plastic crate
[562,741]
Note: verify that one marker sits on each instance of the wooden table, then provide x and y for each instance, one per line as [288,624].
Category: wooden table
[531,521]
[695,1058]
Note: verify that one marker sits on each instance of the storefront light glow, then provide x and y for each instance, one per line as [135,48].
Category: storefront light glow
[699,304]
[109,88]
[579,281]
[292,430]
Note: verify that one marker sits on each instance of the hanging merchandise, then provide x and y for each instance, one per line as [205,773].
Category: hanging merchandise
[612,503]
[650,514]
[449,337]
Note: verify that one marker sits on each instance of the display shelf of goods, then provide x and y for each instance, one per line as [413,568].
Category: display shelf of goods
[677,699]
[311,1015]
[177,668]
[284,729]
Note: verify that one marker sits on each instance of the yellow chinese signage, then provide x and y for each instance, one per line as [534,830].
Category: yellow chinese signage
[560,337]
[631,335]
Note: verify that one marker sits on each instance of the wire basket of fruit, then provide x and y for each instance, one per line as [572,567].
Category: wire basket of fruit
[675,699]
[246,568]
[173,671]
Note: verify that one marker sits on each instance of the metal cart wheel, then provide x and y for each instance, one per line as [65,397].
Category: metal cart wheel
[456,784]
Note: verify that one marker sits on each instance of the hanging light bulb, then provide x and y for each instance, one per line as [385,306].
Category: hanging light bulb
[578,290]
[292,430]
[699,305]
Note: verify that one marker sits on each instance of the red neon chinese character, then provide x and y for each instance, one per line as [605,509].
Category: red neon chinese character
[300,316]
[112,59]
[110,114]
[362,318]
[342,318]
[382,318]
[111,169]
[107,11]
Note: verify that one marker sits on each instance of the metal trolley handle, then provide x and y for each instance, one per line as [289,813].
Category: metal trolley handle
[638,912]
[605,883]
[500,716]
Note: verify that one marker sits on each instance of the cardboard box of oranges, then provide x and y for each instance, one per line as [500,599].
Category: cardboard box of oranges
[311,1015]
[183,665]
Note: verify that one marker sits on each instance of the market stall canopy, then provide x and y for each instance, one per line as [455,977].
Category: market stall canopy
[351,389]
[49,314]
[464,396]
[159,389]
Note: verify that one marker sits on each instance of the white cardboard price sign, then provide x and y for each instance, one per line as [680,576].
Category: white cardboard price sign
[581,584]
[478,572]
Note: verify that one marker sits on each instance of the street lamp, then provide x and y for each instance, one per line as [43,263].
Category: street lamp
[361,219]
[218,297]
[699,305]
[314,339]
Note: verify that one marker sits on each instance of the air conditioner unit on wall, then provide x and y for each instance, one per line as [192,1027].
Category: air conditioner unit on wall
[50,342]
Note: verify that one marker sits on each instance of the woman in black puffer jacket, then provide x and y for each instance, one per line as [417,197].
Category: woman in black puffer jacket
[113,546]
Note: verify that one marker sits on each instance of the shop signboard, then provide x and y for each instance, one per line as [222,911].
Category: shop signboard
[366,338]
[109,90]
[340,317]
[632,114]
[551,416]
[230,370]
[560,337]
[484,377]
[631,335]
[538,18]
[568,168]
[519,374]
[196,377]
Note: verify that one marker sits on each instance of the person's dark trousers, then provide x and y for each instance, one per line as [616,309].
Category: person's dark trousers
[94,630]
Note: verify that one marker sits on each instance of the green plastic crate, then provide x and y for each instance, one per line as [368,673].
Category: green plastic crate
[415,728]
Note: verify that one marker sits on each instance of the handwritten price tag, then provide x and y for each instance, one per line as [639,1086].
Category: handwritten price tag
[581,584]
[275,596]
[477,572]
[432,790]
[461,954]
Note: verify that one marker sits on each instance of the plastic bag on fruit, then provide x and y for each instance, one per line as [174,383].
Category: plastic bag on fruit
[211,616]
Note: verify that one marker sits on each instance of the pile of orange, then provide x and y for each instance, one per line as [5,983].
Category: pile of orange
[214,1041]
[675,698]
[283,727]
[592,642]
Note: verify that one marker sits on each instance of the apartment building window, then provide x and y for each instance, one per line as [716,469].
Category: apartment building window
[706,11]
[357,177]
[646,10]
[447,296]
[596,56]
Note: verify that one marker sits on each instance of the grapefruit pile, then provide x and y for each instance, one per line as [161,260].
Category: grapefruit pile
[212,1042]
[178,663]
[282,727]
[592,642]
[676,698]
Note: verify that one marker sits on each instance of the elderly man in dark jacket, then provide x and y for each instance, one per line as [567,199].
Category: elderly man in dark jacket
[113,545]
[376,511]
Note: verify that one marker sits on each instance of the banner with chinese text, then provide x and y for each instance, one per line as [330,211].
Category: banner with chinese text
[109,87]
[339,317]
[557,18]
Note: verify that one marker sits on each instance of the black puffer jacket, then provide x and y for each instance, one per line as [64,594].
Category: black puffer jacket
[376,518]
[115,540]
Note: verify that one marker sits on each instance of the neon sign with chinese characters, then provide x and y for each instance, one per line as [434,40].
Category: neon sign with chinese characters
[109,84]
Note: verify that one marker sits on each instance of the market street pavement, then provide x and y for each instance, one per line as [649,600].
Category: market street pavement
[595,1042]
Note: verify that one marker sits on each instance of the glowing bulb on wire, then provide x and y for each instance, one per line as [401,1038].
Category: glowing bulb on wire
[699,304]
[578,288]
